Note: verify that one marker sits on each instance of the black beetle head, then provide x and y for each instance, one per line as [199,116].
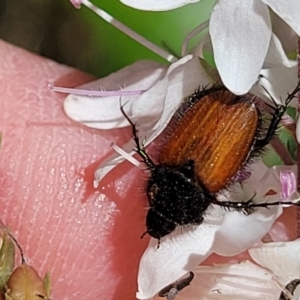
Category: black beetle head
[175,199]
[157,225]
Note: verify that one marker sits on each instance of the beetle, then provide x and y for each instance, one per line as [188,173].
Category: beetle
[212,137]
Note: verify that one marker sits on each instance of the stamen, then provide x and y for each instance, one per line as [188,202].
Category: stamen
[140,39]
[245,287]
[91,93]
[288,184]
[125,155]
[193,33]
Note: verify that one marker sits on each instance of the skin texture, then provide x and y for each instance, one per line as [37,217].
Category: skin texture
[88,239]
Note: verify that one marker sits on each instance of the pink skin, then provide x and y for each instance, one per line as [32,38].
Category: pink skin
[88,239]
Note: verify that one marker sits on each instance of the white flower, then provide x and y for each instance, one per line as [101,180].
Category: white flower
[241,35]
[163,91]
[282,258]
[183,251]
[151,111]
[278,81]
[155,91]
[237,281]
[244,280]
[277,265]
[222,233]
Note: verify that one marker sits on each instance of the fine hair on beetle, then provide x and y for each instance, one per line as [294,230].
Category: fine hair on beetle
[210,141]
[260,130]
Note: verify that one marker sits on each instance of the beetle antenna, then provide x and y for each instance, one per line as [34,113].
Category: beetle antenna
[140,148]
[144,234]
[260,76]
[270,96]
[248,206]
[158,240]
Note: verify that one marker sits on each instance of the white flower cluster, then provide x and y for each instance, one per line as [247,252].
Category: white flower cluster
[248,38]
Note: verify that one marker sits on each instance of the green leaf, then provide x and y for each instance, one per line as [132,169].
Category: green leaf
[7,260]
[289,142]
[291,111]
[270,157]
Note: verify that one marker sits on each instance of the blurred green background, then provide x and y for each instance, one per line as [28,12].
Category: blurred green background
[55,29]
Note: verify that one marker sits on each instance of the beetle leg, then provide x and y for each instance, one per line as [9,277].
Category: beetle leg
[243,206]
[140,147]
[279,111]
[248,206]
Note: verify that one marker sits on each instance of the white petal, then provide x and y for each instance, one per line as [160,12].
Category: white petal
[104,112]
[111,162]
[153,110]
[238,231]
[261,181]
[157,5]
[278,81]
[179,252]
[281,258]
[183,250]
[271,181]
[191,35]
[243,280]
[276,55]
[203,45]
[286,35]
[288,10]
[258,170]
[240,33]
[264,179]
[225,233]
